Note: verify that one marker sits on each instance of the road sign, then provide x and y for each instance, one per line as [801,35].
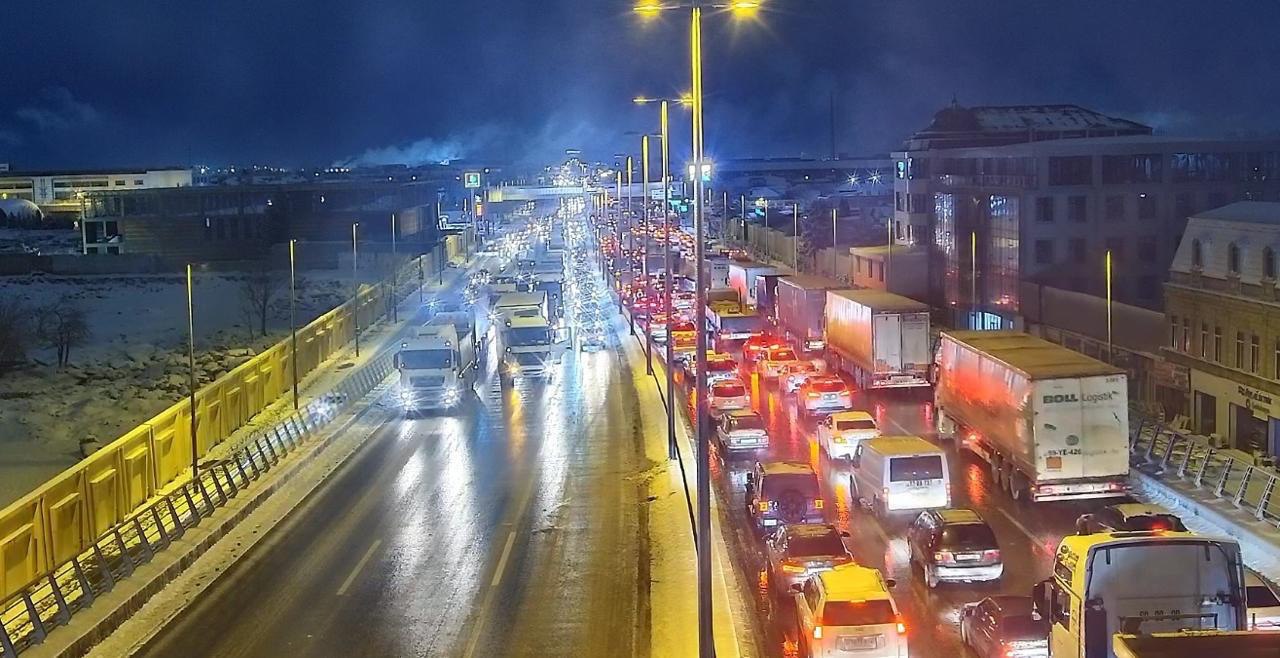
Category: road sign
[471,180]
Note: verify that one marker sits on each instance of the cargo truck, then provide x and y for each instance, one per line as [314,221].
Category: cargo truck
[801,302]
[1052,423]
[519,304]
[879,338]
[766,295]
[732,324]
[742,277]
[437,364]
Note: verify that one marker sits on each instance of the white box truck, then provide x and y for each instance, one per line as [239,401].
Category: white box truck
[437,364]
[1052,422]
[879,338]
[743,275]
[801,302]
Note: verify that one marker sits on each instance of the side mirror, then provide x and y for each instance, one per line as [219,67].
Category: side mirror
[890,583]
[968,611]
[1040,600]
[751,478]
[751,491]
[856,462]
[797,588]
[395,361]
[845,534]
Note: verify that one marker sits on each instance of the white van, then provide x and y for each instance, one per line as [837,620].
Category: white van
[848,611]
[900,474]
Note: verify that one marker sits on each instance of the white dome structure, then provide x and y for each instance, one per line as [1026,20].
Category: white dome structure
[19,210]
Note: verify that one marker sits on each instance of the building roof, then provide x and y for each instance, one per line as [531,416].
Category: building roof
[880,300]
[1252,212]
[123,171]
[811,282]
[956,126]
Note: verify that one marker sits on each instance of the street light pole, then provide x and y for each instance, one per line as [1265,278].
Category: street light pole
[795,235]
[835,260]
[293,320]
[191,377]
[706,638]
[631,244]
[666,282]
[644,265]
[395,271]
[1110,355]
[355,282]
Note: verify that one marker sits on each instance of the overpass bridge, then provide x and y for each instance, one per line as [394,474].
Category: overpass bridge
[502,193]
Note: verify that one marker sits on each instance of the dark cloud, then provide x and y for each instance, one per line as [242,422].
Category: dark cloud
[151,81]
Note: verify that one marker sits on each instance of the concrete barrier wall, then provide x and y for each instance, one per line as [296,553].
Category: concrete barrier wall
[63,517]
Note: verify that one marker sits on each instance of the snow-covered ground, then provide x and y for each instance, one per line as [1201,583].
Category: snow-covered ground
[37,241]
[134,364]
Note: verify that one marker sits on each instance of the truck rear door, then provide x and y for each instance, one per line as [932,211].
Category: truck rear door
[886,336]
[1057,428]
[915,342]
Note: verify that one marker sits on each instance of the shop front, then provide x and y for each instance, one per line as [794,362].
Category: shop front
[1244,417]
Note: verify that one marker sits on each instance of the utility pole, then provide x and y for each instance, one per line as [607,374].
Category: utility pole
[644,265]
[666,283]
[293,320]
[191,377]
[355,282]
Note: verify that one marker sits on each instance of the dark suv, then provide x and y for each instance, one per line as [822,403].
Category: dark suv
[951,545]
[783,492]
[1128,516]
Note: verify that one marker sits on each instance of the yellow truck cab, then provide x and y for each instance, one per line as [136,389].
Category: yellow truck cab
[1139,582]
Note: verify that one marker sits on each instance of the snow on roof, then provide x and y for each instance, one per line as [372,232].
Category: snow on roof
[1251,212]
[1047,117]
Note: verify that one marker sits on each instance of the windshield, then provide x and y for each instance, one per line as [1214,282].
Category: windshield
[858,613]
[968,536]
[828,386]
[1155,522]
[751,422]
[729,390]
[529,358]
[528,336]
[1261,596]
[867,424]
[426,359]
[923,467]
[828,544]
[775,485]
[526,313]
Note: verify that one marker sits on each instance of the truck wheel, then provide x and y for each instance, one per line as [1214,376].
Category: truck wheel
[1017,486]
[930,579]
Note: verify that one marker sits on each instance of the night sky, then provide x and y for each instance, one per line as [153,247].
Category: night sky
[147,82]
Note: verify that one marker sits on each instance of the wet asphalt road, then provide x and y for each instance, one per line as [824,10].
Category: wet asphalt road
[513,527]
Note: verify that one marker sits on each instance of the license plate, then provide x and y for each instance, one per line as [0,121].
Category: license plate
[967,557]
[769,522]
[829,397]
[919,484]
[858,642]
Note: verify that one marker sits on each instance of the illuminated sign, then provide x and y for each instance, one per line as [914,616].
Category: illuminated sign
[471,179]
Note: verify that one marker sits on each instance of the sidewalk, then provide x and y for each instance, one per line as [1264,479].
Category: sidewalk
[673,576]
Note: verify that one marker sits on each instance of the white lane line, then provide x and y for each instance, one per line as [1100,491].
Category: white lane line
[359,565]
[502,561]
[1023,529]
[898,426]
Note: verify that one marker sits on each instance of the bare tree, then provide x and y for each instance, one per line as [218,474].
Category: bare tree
[15,333]
[63,325]
[260,286]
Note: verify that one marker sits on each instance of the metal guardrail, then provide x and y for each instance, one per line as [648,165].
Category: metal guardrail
[1174,455]
[28,615]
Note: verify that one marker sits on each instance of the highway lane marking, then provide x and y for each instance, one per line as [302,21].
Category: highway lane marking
[502,561]
[351,577]
[1021,528]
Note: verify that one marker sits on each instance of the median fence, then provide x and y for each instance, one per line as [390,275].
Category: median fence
[1190,461]
[78,533]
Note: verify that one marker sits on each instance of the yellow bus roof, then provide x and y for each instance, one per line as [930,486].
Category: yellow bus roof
[892,446]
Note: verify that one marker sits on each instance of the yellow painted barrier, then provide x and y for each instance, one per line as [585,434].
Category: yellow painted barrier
[63,516]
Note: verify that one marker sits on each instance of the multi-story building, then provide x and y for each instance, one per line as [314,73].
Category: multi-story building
[1009,194]
[1223,311]
[61,192]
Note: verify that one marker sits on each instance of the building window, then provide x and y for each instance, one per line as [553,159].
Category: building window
[1268,263]
[1147,206]
[1116,247]
[900,201]
[119,183]
[1240,350]
[1275,363]
[1186,334]
[1217,344]
[1148,287]
[137,181]
[1077,209]
[1173,332]
[1147,248]
[1115,208]
[1255,351]
[1044,209]
[1197,254]
[1079,250]
[1204,340]
[1044,252]
[1233,258]
[1071,170]
[1137,168]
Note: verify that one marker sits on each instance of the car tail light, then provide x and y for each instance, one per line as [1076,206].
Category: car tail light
[763,506]
[817,632]
[902,628]
[817,503]
[814,395]
[944,557]
[993,554]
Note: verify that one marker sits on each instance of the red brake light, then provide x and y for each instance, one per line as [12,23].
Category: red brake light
[902,628]
[944,557]
[993,554]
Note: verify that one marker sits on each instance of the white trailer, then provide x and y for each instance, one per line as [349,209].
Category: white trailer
[742,277]
[879,338]
[1052,422]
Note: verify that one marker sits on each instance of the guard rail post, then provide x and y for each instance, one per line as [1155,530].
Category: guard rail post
[1204,465]
[1260,512]
[1244,485]
[1222,478]
[1186,461]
